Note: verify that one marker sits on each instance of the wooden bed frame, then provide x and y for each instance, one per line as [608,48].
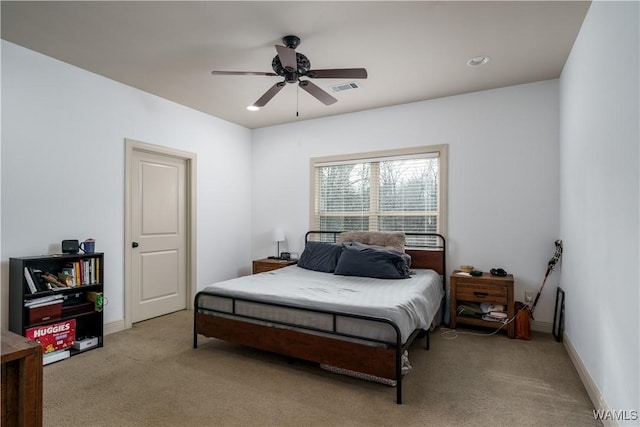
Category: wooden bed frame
[383,361]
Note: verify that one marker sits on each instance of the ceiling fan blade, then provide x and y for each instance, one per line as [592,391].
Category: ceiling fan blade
[338,73]
[269,94]
[320,94]
[287,57]
[242,73]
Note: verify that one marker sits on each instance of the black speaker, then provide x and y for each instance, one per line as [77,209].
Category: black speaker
[70,246]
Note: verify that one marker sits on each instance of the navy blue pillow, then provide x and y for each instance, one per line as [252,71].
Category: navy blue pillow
[367,261]
[405,256]
[320,256]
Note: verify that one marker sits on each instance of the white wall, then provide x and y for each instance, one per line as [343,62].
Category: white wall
[63,132]
[599,139]
[503,175]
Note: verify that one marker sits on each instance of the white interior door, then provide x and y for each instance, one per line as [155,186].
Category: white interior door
[158,231]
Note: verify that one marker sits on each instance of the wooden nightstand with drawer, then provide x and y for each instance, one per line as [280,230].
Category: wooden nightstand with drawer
[268,264]
[485,288]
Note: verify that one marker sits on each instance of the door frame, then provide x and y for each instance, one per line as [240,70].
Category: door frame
[132,146]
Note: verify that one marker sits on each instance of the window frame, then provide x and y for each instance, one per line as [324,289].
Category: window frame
[441,150]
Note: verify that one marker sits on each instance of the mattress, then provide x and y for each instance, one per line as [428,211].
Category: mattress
[410,303]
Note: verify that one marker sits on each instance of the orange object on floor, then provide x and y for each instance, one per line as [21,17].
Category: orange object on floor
[523,321]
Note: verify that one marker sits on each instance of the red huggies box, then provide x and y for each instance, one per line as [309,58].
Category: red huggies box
[54,336]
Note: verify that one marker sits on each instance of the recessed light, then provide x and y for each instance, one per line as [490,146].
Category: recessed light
[253,108]
[477,61]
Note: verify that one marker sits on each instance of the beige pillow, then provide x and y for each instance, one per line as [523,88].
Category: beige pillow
[375,238]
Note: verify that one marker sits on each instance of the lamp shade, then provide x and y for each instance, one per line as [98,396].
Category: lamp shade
[277,235]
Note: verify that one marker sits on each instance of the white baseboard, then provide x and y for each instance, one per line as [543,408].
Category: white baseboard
[542,326]
[589,384]
[113,327]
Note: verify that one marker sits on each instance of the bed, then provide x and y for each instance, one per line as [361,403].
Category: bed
[334,317]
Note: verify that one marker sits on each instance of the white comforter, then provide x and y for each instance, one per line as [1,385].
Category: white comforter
[410,303]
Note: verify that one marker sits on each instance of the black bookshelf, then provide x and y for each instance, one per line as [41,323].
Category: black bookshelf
[78,302]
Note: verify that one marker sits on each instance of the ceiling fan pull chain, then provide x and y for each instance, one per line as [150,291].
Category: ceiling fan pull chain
[297,100]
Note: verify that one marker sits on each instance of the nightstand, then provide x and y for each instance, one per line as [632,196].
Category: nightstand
[485,288]
[268,264]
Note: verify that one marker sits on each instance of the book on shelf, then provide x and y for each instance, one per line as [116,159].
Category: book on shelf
[86,272]
[36,302]
[30,283]
[92,269]
[80,273]
[44,304]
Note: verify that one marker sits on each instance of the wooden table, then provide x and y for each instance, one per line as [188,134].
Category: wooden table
[268,264]
[21,381]
[478,289]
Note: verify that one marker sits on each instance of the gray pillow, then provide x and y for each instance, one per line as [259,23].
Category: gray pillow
[367,261]
[320,256]
[393,240]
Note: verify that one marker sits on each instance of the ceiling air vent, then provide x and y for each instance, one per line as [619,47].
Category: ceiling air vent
[344,86]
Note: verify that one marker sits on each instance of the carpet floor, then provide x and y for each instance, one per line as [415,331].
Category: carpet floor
[150,375]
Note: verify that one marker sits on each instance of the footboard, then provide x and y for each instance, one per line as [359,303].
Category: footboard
[378,361]
[366,355]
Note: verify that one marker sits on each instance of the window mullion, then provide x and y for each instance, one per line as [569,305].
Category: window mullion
[316,195]
[374,196]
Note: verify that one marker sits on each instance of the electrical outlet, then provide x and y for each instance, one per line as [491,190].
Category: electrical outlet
[528,296]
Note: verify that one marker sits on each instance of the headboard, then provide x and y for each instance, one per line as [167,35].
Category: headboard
[427,250]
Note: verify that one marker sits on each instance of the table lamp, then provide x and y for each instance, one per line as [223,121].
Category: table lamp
[277,236]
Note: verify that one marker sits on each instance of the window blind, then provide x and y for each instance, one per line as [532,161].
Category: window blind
[391,193]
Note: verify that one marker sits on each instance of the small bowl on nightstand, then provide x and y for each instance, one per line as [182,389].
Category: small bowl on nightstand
[466,268]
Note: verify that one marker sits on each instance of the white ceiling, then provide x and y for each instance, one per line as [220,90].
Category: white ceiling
[413,51]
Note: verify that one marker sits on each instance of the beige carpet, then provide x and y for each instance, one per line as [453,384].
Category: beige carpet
[151,376]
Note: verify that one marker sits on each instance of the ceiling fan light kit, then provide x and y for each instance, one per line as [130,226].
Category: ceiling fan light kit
[291,66]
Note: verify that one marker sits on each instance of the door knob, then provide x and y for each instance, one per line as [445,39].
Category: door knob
[134,245]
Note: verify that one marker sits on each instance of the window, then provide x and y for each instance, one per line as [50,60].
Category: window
[397,190]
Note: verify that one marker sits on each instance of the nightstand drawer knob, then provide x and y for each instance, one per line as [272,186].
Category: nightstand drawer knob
[480,294]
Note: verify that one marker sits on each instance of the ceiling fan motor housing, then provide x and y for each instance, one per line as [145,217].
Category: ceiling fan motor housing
[303,65]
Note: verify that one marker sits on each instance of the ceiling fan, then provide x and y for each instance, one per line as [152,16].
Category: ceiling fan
[292,66]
